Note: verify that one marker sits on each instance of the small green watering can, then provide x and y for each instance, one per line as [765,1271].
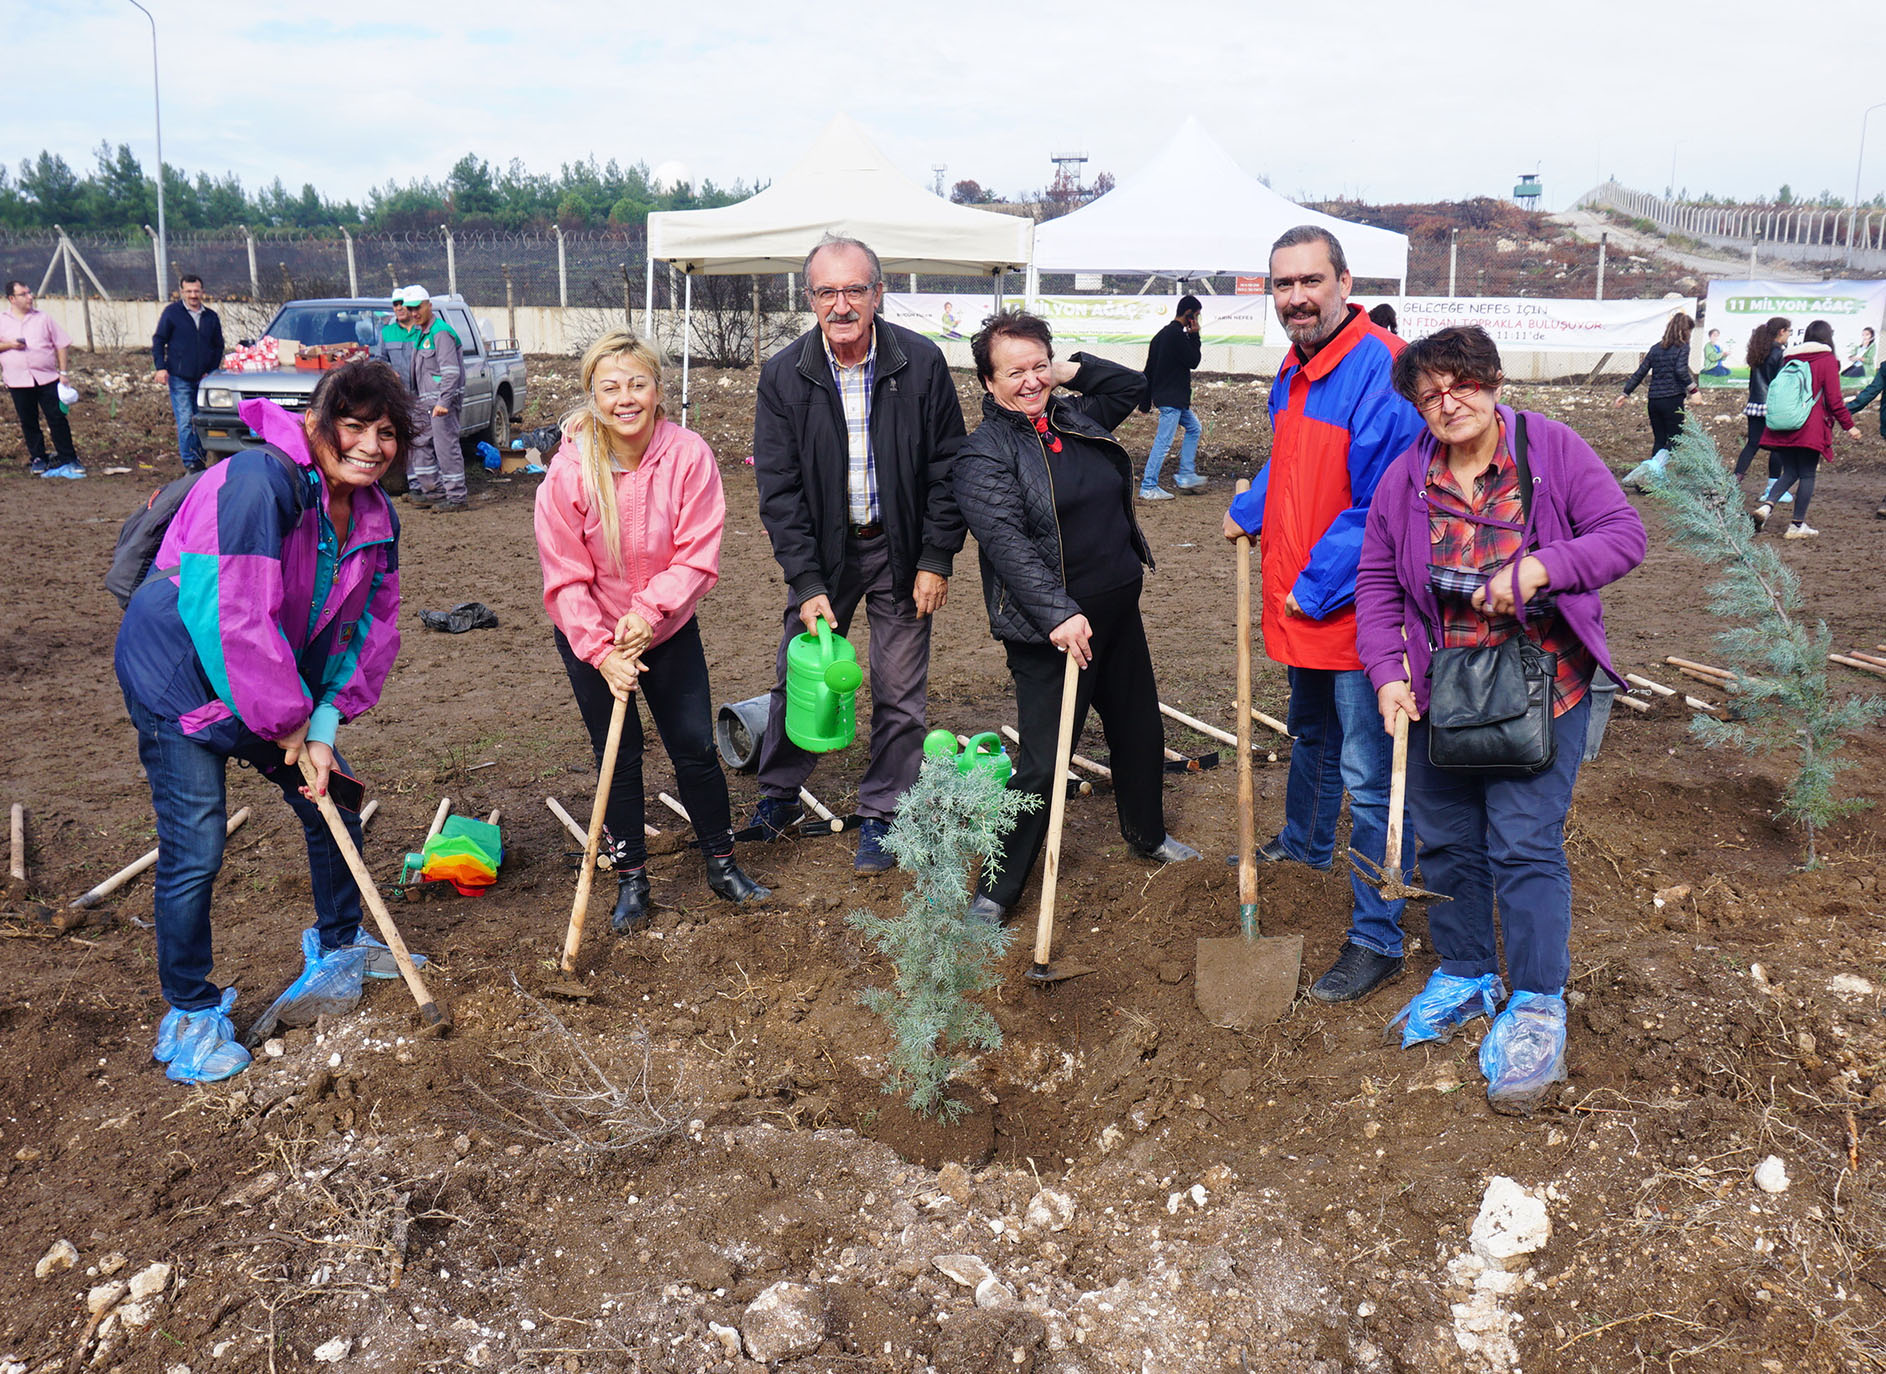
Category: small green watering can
[822,677]
[982,753]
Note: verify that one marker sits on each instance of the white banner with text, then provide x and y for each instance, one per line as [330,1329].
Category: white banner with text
[1736,308]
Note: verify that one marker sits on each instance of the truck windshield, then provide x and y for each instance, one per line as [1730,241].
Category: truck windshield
[314,325]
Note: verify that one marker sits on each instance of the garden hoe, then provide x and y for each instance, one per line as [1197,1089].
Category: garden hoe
[1393,886]
[1044,972]
[434,1019]
[1246,980]
[569,985]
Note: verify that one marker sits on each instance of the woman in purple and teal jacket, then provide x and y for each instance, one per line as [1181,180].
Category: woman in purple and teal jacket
[269,618]
[1452,557]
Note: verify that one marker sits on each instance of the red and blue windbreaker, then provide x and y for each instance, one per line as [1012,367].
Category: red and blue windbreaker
[1336,425]
[266,623]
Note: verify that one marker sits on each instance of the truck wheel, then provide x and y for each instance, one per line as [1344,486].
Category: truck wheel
[393,480]
[500,434]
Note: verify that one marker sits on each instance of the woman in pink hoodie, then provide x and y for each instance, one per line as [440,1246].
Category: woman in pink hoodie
[1798,452]
[629,522]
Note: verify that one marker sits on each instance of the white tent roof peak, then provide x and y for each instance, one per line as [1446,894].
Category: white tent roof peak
[1193,212]
[844,184]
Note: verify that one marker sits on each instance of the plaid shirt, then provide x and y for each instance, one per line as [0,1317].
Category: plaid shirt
[1465,553]
[854,391]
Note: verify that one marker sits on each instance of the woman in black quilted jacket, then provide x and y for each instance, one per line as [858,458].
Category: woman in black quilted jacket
[1668,367]
[1766,348]
[1048,492]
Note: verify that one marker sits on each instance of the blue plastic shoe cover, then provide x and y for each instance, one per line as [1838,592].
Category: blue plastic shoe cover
[380,961]
[207,1050]
[329,985]
[167,1036]
[1445,1005]
[1524,1054]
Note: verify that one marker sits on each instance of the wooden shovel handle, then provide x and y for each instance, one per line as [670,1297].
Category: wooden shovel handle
[1057,811]
[579,909]
[1247,792]
[1397,795]
[430,1011]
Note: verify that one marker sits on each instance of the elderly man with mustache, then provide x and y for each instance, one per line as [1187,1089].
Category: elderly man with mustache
[855,431]
[1336,425]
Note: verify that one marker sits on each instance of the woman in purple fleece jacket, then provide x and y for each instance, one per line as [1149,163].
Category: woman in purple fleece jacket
[1452,558]
[270,617]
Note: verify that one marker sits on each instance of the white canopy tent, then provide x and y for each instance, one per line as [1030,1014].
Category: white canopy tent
[1193,212]
[844,184]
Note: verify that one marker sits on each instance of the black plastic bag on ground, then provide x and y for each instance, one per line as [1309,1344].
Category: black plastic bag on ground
[467,615]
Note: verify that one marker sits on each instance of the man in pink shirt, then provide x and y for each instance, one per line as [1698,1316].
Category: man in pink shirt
[32,363]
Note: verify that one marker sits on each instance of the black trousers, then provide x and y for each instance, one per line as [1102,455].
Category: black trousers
[675,691]
[1666,418]
[1119,685]
[1798,466]
[29,403]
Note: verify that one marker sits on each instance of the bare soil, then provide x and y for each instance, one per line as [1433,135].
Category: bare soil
[438,1203]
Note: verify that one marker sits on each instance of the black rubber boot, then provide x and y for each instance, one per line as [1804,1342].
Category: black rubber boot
[725,880]
[631,912]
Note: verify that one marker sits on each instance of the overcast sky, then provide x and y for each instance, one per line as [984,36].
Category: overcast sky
[1378,99]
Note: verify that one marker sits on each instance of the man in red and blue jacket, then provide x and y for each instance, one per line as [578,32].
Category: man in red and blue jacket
[1336,425]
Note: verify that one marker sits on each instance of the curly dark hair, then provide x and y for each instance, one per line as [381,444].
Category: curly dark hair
[1463,352]
[367,390]
[1762,341]
[1007,324]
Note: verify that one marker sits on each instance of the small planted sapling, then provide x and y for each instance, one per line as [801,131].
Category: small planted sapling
[1780,702]
[947,827]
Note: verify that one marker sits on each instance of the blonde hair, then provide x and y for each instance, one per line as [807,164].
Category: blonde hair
[586,424]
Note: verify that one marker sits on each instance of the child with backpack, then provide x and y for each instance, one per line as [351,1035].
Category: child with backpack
[1804,403]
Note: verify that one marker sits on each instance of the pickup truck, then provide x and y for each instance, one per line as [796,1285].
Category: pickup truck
[494,372]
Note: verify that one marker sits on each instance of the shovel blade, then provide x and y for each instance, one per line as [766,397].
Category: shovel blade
[1043,975]
[1241,984]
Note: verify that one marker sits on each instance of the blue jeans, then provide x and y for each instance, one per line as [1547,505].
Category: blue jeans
[1490,837]
[1340,744]
[190,796]
[183,408]
[1170,419]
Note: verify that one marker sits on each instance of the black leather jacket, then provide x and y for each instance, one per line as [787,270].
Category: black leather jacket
[1006,493]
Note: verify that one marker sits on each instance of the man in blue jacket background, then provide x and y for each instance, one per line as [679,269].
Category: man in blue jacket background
[187,346]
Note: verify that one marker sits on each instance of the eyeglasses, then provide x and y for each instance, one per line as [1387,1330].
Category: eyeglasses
[1460,391]
[826,295]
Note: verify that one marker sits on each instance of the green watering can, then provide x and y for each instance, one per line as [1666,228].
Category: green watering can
[983,753]
[822,677]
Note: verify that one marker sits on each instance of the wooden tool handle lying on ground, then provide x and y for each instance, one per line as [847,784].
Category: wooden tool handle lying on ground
[131,870]
[1081,785]
[430,1011]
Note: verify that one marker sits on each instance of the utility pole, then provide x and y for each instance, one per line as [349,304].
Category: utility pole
[1859,165]
[157,109]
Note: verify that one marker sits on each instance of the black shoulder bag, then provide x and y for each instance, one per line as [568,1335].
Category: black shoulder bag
[1490,706]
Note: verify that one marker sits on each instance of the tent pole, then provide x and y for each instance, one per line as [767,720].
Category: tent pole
[687,338]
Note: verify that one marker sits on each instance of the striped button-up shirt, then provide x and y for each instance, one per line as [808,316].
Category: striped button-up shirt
[854,391]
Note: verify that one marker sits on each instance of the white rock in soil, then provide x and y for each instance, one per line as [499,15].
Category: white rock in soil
[1771,1175]
[63,1255]
[12,1366]
[105,1297]
[1849,985]
[1049,1209]
[786,1320]
[133,1313]
[728,1337]
[965,1269]
[178,1369]
[334,1351]
[275,1047]
[1511,1225]
[112,1263]
[992,1292]
[480,1356]
[150,1281]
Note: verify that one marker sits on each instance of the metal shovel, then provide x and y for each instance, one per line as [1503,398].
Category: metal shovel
[1247,979]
